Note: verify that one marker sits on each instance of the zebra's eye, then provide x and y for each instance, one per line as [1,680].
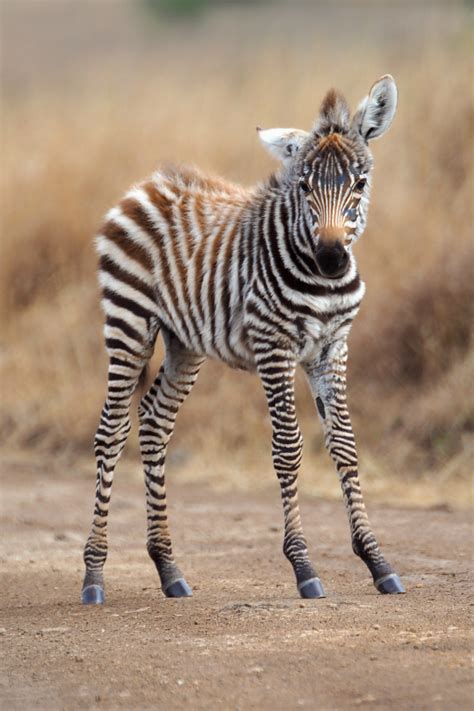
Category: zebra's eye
[304,186]
[360,185]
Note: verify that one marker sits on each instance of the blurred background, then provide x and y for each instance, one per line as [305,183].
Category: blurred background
[95,93]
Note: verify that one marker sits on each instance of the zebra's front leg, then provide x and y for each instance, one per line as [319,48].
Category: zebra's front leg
[158,411]
[327,379]
[277,375]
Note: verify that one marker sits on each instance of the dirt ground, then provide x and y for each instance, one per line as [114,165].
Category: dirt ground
[245,640]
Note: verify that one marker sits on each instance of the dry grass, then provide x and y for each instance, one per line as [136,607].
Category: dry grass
[69,152]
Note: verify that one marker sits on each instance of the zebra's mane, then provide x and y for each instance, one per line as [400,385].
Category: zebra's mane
[189,178]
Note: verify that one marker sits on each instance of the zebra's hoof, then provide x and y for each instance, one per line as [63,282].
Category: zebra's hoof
[93,595]
[178,588]
[311,588]
[390,585]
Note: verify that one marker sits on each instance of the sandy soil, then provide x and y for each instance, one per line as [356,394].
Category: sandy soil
[245,640]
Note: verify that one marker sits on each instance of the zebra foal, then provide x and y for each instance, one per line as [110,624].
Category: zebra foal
[262,279]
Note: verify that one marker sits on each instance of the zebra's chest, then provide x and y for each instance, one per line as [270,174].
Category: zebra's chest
[315,332]
[313,335]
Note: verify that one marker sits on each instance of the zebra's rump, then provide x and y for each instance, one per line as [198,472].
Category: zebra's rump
[171,253]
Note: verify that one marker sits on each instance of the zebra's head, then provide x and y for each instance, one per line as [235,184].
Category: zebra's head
[329,169]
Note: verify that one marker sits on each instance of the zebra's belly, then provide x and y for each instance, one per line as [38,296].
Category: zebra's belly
[227,344]
[231,351]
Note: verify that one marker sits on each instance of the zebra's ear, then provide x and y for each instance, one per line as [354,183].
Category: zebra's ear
[282,143]
[375,113]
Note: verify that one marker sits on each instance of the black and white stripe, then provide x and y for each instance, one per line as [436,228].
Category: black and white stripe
[263,279]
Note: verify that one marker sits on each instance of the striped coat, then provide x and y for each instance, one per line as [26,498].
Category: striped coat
[262,279]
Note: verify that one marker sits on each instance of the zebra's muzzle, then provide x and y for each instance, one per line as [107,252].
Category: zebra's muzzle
[332,259]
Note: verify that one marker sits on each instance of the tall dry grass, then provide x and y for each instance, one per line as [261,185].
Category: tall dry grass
[70,150]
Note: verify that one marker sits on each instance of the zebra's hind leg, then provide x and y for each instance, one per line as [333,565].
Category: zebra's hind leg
[158,411]
[109,442]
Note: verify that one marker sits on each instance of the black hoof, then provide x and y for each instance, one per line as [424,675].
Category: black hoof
[93,595]
[390,585]
[311,588]
[178,588]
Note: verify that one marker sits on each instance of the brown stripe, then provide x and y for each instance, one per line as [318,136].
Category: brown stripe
[132,209]
[186,226]
[198,277]
[136,212]
[107,265]
[158,199]
[199,214]
[119,236]
[165,207]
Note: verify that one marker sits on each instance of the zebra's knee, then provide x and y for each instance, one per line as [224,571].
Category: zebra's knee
[113,429]
[299,445]
[153,437]
[146,408]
